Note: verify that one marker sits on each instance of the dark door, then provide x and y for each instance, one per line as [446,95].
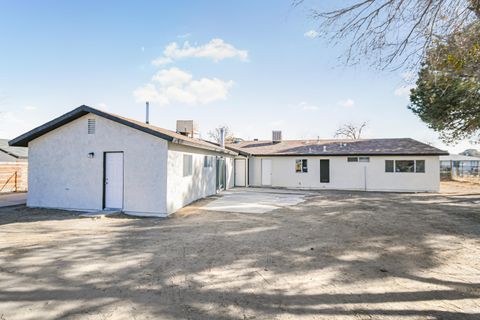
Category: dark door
[324,170]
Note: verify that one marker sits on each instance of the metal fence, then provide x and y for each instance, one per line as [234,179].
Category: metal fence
[460,170]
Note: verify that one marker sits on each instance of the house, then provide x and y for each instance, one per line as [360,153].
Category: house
[13,167]
[403,165]
[457,165]
[89,159]
[12,154]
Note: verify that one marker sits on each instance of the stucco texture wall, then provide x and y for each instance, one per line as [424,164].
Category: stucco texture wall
[182,190]
[370,176]
[61,175]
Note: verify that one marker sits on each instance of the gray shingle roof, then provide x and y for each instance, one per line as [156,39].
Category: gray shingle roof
[16,152]
[165,134]
[400,146]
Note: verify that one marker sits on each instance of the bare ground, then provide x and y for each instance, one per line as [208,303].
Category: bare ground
[338,255]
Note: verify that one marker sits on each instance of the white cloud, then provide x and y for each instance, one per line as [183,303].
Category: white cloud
[30,108]
[311,34]
[216,49]
[346,103]
[175,85]
[12,124]
[403,91]
[307,107]
[172,76]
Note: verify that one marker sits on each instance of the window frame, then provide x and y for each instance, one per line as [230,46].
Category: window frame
[303,165]
[393,163]
[208,162]
[416,166]
[352,159]
[364,159]
[407,166]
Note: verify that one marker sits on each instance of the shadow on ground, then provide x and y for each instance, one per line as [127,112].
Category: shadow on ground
[338,255]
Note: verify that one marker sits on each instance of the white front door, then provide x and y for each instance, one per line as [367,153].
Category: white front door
[266,172]
[240,167]
[113,180]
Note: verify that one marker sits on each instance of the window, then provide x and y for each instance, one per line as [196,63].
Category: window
[187,165]
[91,126]
[420,166]
[208,162]
[388,165]
[358,159]
[404,166]
[301,165]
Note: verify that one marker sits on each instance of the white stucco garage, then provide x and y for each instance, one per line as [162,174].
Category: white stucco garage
[88,159]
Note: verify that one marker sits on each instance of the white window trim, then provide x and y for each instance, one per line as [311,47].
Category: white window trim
[301,168]
[414,166]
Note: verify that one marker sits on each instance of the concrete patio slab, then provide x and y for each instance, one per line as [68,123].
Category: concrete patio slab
[256,200]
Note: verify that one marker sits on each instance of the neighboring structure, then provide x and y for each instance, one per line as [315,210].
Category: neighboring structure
[13,168]
[459,166]
[88,159]
[366,164]
[12,154]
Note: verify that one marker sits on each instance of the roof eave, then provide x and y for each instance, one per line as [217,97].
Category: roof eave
[212,148]
[347,154]
[24,139]
[238,151]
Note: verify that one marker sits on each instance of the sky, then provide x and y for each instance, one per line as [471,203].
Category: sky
[255,66]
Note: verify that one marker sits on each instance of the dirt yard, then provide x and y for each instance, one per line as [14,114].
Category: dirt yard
[336,255]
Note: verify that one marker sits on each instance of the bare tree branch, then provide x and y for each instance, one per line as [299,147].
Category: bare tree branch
[214,135]
[392,33]
[350,131]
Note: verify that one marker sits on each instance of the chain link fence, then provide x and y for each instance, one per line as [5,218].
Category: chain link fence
[460,170]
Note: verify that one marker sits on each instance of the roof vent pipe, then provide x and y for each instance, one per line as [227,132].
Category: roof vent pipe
[147,116]
[222,137]
[324,148]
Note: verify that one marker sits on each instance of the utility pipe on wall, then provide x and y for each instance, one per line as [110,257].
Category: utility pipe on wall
[147,106]
[222,137]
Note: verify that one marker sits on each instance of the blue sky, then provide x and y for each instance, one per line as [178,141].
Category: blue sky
[247,64]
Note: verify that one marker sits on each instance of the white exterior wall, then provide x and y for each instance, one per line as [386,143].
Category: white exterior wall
[62,176]
[230,170]
[202,183]
[349,175]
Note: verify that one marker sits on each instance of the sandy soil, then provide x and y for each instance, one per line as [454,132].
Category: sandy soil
[337,255]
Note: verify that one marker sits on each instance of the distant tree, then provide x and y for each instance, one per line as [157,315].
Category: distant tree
[471,153]
[391,33]
[447,95]
[350,131]
[214,135]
